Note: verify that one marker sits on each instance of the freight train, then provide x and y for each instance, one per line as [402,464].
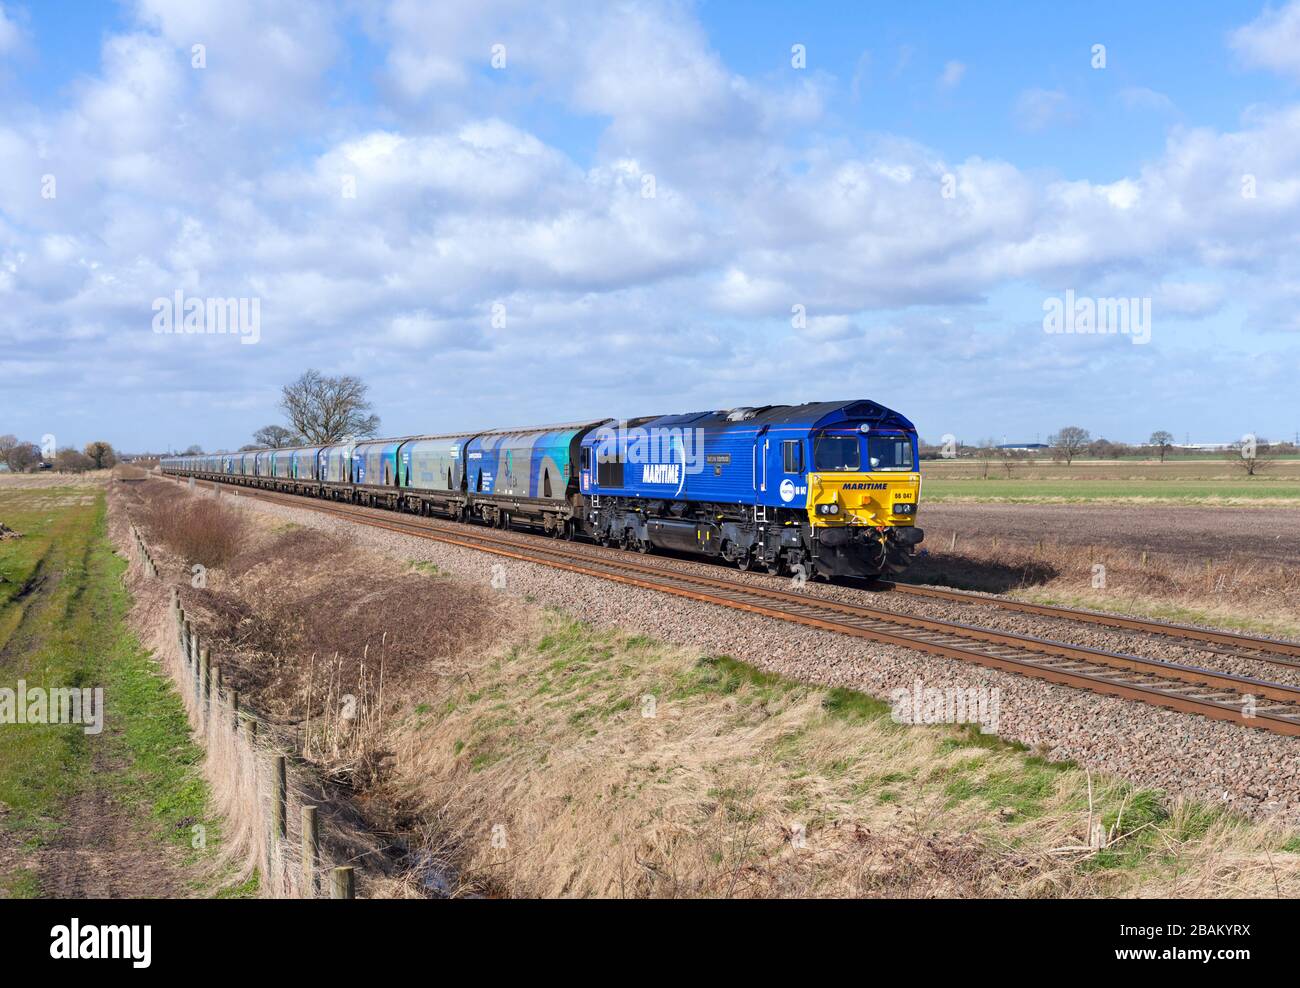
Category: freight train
[825,489]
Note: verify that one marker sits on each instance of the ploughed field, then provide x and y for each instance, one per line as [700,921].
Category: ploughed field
[1214,481]
[1196,532]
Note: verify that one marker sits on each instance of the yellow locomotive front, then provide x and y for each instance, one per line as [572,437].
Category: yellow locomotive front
[863,491]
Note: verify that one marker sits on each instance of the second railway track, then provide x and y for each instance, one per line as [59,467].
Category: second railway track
[1190,689]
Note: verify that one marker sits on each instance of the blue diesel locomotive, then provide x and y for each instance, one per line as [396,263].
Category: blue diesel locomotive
[824,489]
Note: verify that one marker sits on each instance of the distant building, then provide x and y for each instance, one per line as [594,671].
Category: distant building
[1025,447]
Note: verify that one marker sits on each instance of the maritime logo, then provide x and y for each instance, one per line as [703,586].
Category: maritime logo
[865,487]
[661,473]
[787,491]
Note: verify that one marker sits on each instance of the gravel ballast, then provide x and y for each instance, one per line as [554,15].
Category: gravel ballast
[1249,770]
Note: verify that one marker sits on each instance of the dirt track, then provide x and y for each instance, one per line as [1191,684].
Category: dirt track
[1271,534]
[102,852]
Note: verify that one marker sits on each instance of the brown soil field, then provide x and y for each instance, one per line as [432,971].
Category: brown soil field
[1196,533]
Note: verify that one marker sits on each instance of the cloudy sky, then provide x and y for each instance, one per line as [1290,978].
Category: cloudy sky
[501,213]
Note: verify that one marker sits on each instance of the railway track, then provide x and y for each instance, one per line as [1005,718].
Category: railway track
[1190,689]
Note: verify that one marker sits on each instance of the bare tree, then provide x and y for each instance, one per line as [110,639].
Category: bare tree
[18,456]
[987,453]
[69,460]
[194,449]
[1162,442]
[1069,443]
[275,437]
[326,409]
[1010,459]
[101,454]
[1250,457]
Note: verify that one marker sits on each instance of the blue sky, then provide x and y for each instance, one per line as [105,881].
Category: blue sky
[649,208]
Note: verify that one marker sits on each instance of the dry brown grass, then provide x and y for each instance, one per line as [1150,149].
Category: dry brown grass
[283,593]
[203,530]
[49,478]
[1233,591]
[539,776]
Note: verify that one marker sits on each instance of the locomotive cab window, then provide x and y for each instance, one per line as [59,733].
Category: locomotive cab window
[792,453]
[586,457]
[836,453]
[889,452]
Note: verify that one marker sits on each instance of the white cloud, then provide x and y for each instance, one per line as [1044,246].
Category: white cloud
[1192,299]
[1142,98]
[1038,109]
[10,35]
[952,75]
[265,59]
[1272,40]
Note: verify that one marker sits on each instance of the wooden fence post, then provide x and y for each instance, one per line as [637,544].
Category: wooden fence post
[342,883]
[279,821]
[310,850]
[204,686]
[193,662]
[234,709]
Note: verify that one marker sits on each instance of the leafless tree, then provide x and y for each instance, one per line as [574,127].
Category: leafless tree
[101,454]
[326,409]
[1162,442]
[1250,458]
[1069,443]
[1010,459]
[275,437]
[18,456]
[69,460]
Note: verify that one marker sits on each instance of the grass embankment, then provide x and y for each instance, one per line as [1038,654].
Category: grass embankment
[1148,481]
[1238,594]
[62,624]
[596,763]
